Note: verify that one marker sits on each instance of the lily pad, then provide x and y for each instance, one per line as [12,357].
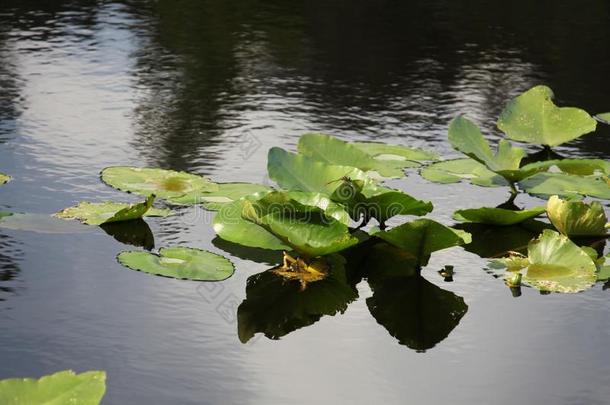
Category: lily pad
[566,185]
[456,170]
[40,223]
[306,229]
[556,264]
[225,194]
[106,212]
[179,262]
[577,218]
[64,387]
[604,117]
[230,226]
[422,237]
[497,216]
[300,173]
[580,167]
[162,183]
[533,117]
[384,151]
[603,273]
[334,151]
[4,178]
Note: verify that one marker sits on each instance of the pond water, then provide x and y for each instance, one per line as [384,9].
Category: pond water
[209,87]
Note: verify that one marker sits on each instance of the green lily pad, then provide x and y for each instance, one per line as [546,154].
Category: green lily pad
[40,223]
[554,263]
[225,194]
[160,182]
[106,212]
[334,151]
[497,216]
[64,387]
[604,117]
[577,218]
[566,185]
[300,173]
[4,178]
[405,154]
[422,237]
[603,273]
[306,229]
[179,262]
[456,170]
[230,226]
[533,117]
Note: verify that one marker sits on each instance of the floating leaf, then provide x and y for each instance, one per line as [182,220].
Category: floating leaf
[300,173]
[384,151]
[160,182]
[496,216]
[179,262]
[456,170]
[581,167]
[334,151]
[106,212]
[533,117]
[603,274]
[556,264]
[4,178]
[566,185]
[305,228]
[40,223]
[230,226]
[577,218]
[422,237]
[225,194]
[64,387]
[604,117]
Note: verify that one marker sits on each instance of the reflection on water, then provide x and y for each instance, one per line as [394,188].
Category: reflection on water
[134,233]
[208,86]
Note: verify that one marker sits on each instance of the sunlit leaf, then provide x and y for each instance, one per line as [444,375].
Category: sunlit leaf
[106,212]
[577,218]
[64,387]
[454,171]
[4,178]
[405,154]
[160,182]
[496,216]
[566,185]
[225,194]
[580,167]
[179,262]
[533,117]
[297,172]
[422,237]
[604,117]
[230,226]
[603,273]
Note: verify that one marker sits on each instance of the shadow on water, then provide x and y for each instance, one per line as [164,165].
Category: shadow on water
[135,233]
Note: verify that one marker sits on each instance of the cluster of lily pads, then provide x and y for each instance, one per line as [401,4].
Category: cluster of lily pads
[329,213]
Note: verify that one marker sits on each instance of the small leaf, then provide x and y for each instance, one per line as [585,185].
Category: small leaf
[106,212]
[603,274]
[405,154]
[160,182]
[64,387]
[566,185]
[454,171]
[576,218]
[496,216]
[604,118]
[422,237]
[179,262]
[4,178]
[225,194]
[533,117]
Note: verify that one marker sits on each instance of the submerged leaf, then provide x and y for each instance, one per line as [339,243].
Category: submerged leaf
[422,237]
[179,262]
[4,178]
[533,117]
[456,170]
[160,182]
[496,216]
[398,153]
[64,387]
[225,194]
[106,212]
[40,223]
[566,185]
[577,218]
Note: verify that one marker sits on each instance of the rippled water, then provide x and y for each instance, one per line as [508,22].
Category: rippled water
[209,86]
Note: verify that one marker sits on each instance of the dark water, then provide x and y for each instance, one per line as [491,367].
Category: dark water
[209,86]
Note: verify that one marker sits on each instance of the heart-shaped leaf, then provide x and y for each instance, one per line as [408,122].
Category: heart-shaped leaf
[162,183]
[496,216]
[179,262]
[533,117]
[577,218]
[64,387]
[106,212]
